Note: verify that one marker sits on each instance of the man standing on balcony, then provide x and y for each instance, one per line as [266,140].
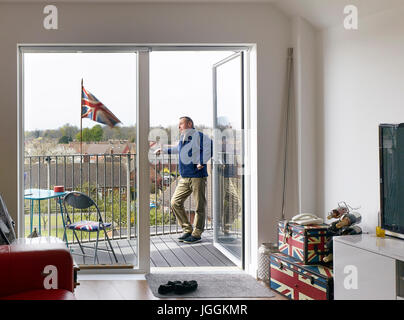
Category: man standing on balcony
[194,149]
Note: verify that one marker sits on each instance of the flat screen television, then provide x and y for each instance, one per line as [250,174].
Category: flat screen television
[391,153]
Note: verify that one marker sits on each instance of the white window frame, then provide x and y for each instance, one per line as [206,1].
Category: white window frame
[143,111]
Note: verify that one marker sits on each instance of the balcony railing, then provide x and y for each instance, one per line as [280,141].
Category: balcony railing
[109,179]
[164,177]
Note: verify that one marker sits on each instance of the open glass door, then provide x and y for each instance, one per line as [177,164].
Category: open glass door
[228,155]
[86,152]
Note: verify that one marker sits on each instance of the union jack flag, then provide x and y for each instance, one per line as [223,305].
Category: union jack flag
[300,282]
[89,226]
[93,109]
[305,243]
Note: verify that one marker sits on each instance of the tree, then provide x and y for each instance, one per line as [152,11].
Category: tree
[117,133]
[65,140]
[87,137]
[41,147]
[97,133]
[51,134]
[91,135]
[68,130]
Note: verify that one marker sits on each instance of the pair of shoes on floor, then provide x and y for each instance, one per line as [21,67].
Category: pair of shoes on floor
[189,238]
[178,287]
[184,236]
[192,239]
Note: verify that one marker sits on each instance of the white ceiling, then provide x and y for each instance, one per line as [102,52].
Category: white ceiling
[138,1]
[320,13]
[328,13]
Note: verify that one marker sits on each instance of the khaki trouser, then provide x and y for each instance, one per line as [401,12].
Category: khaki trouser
[185,187]
[232,203]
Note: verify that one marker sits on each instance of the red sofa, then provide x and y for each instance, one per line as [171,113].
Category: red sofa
[22,273]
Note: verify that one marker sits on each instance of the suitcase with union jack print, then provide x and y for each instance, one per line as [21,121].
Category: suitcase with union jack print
[304,243]
[297,281]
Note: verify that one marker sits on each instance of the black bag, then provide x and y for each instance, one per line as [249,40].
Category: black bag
[7,234]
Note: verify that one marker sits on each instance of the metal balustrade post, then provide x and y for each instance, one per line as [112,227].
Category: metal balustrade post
[162,192]
[73,210]
[30,186]
[56,183]
[155,196]
[128,197]
[177,161]
[96,180]
[39,187]
[89,189]
[113,196]
[135,196]
[120,198]
[81,190]
[48,160]
[105,194]
[169,186]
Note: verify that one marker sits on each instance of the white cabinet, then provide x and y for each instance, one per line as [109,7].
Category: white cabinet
[368,268]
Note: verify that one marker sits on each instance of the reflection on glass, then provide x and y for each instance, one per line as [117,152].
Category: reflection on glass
[228,174]
[103,167]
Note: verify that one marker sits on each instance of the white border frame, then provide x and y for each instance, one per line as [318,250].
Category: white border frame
[238,262]
[143,111]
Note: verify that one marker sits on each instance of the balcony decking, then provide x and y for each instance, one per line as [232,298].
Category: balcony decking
[109,178]
[165,251]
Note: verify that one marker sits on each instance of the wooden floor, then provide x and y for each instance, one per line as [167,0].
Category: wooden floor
[130,290]
[165,251]
[125,251]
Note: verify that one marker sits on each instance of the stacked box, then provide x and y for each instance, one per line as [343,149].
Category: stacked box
[297,281]
[298,271]
[304,243]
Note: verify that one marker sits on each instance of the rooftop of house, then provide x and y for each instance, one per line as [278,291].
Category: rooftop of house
[104,147]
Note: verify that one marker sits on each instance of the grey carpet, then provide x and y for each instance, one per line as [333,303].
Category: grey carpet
[212,285]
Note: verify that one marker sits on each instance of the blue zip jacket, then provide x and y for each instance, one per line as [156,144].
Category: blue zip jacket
[193,148]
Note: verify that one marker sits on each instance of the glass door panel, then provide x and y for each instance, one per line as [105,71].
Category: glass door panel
[89,154]
[228,180]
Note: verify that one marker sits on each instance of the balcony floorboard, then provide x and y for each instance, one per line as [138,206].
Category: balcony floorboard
[165,251]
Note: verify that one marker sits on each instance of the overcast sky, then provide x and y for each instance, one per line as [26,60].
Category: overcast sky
[180,84]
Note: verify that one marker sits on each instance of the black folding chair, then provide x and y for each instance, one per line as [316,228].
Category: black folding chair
[7,233]
[79,200]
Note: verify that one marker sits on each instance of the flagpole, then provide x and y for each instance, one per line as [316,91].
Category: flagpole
[81,119]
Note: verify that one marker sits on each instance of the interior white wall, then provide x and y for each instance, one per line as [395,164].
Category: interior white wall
[362,78]
[262,24]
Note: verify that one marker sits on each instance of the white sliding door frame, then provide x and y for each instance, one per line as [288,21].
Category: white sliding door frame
[142,159]
[142,148]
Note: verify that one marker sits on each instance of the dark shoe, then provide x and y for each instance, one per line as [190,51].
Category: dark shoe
[184,236]
[169,287]
[192,239]
[185,287]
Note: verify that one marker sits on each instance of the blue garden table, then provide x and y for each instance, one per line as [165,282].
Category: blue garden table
[42,194]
